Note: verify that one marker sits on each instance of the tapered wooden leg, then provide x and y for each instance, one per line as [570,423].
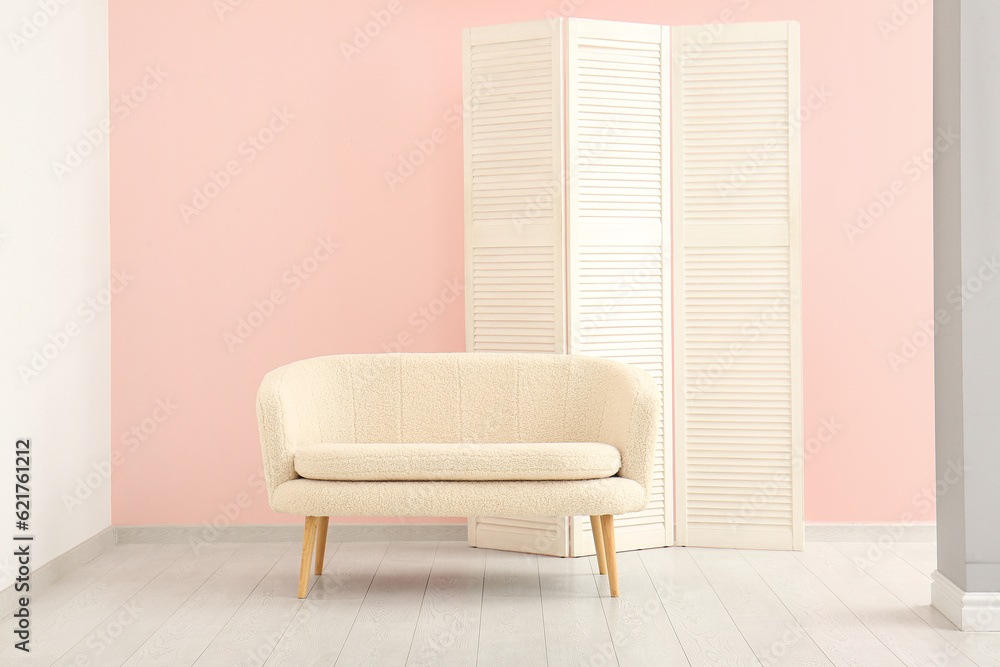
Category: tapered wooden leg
[595,525]
[323,524]
[608,528]
[308,544]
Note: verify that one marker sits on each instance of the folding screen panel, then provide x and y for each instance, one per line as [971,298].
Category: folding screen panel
[618,229]
[514,234]
[737,295]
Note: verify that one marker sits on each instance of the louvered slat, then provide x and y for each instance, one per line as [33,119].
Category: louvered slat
[737,298]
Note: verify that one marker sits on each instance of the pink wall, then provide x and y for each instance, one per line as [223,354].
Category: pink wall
[327,129]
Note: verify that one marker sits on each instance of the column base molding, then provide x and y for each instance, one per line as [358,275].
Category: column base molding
[970,612]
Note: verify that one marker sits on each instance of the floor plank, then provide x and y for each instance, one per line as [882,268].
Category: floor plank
[895,624]
[511,574]
[921,555]
[914,590]
[189,630]
[768,627]
[64,588]
[704,628]
[836,630]
[56,632]
[127,628]
[447,631]
[383,630]
[640,628]
[318,631]
[512,632]
[255,629]
[512,629]
[576,630]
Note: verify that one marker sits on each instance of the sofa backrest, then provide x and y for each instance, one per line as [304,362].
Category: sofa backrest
[459,397]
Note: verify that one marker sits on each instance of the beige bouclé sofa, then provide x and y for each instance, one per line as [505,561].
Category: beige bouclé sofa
[457,434]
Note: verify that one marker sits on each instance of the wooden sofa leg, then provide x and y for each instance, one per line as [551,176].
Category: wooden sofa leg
[324,524]
[595,525]
[608,528]
[308,544]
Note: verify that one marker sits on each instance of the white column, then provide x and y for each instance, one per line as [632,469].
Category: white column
[966,586]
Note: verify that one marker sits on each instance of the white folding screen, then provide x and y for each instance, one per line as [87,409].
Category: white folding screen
[737,298]
[618,228]
[568,237]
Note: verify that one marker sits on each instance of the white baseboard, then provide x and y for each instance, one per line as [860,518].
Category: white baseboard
[871,532]
[291,532]
[970,612]
[58,566]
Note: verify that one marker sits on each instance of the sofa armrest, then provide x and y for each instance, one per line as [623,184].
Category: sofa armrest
[280,433]
[631,421]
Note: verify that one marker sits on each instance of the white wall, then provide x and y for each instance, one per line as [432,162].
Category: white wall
[53,258]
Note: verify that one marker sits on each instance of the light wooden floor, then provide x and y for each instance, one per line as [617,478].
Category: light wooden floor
[443,603]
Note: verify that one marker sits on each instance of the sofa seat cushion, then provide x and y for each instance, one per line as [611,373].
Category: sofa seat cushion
[390,462]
